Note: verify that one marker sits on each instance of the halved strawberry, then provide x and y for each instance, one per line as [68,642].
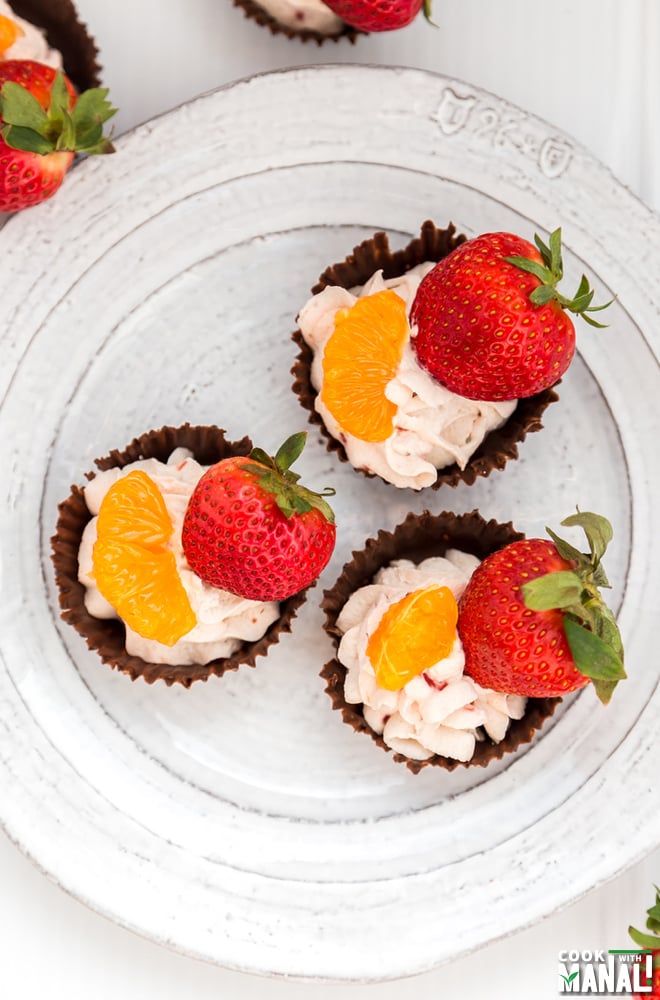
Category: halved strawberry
[43,123]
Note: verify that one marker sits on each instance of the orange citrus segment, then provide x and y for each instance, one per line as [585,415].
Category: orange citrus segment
[133,567]
[360,358]
[414,634]
[9,32]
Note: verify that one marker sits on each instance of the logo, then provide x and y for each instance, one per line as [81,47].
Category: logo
[606,973]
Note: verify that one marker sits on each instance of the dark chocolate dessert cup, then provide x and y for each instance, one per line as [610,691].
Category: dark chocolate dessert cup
[59,21]
[106,636]
[418,537]
[433,244]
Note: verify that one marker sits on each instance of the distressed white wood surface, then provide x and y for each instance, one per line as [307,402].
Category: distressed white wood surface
[606,101]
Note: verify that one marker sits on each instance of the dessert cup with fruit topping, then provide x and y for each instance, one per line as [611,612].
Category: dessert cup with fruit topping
[439,717]
[425,435]
[307,20]
[125,583]
[456,637]
[50,32]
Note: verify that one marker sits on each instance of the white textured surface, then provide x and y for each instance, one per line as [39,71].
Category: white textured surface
[176,974]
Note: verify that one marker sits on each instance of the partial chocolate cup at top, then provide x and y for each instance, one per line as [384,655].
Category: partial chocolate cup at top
[433,244]
[208,445]
[59,21]
[419,537]
[255,12]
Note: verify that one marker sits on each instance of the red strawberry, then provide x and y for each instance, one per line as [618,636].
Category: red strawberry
[378,15]
[252,529]
[532,621]
[43,123]
[490,322]
[650,941]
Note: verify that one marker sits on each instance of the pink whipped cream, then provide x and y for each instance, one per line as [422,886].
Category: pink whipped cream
[32,44]
[433,427]
[441,711]
[224,621]
[304,15]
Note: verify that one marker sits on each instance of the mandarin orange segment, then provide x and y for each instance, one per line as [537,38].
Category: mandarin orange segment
[133,566]
[414,634]
[361,356]
[10,31]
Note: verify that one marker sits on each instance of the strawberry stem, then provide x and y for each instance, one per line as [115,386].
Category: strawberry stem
[276,478]
[550,273]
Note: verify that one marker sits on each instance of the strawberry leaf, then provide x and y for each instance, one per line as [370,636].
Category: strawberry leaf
[553,590]
[542,294]
[26,139]
[565,549]
[67,136]
[600,577]
[19,107]
[604,690]
[593,657]
[556,264]
[644,940]
[258,455]
[290,451]
[544,250]
[592,322]
[653,921]
[91,112]
[60,99]
[597,529]
[532,267]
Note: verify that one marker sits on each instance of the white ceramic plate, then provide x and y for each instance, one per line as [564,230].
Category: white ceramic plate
[241,821]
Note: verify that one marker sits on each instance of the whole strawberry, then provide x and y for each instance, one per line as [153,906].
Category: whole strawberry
[532,620]
[650,942]
[378,15]
[490,321]
[43,123]
[252,529]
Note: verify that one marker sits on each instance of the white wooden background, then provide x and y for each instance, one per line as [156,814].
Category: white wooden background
[591,68]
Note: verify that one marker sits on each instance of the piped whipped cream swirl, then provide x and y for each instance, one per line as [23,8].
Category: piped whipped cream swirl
[433,427]
[304,15]
[224,621]
[32,44]
[441,711]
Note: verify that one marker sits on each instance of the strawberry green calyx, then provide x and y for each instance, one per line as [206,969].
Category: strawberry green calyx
[28,127]
[275,477]
[589,625]
[427,9]
[550,273]
[651,940]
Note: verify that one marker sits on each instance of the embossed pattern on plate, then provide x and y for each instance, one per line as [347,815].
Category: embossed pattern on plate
[240,821]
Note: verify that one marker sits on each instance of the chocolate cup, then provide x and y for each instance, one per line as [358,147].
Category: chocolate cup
[419,537]
[255,12]
[500,445]
[106,636]
[59,20]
